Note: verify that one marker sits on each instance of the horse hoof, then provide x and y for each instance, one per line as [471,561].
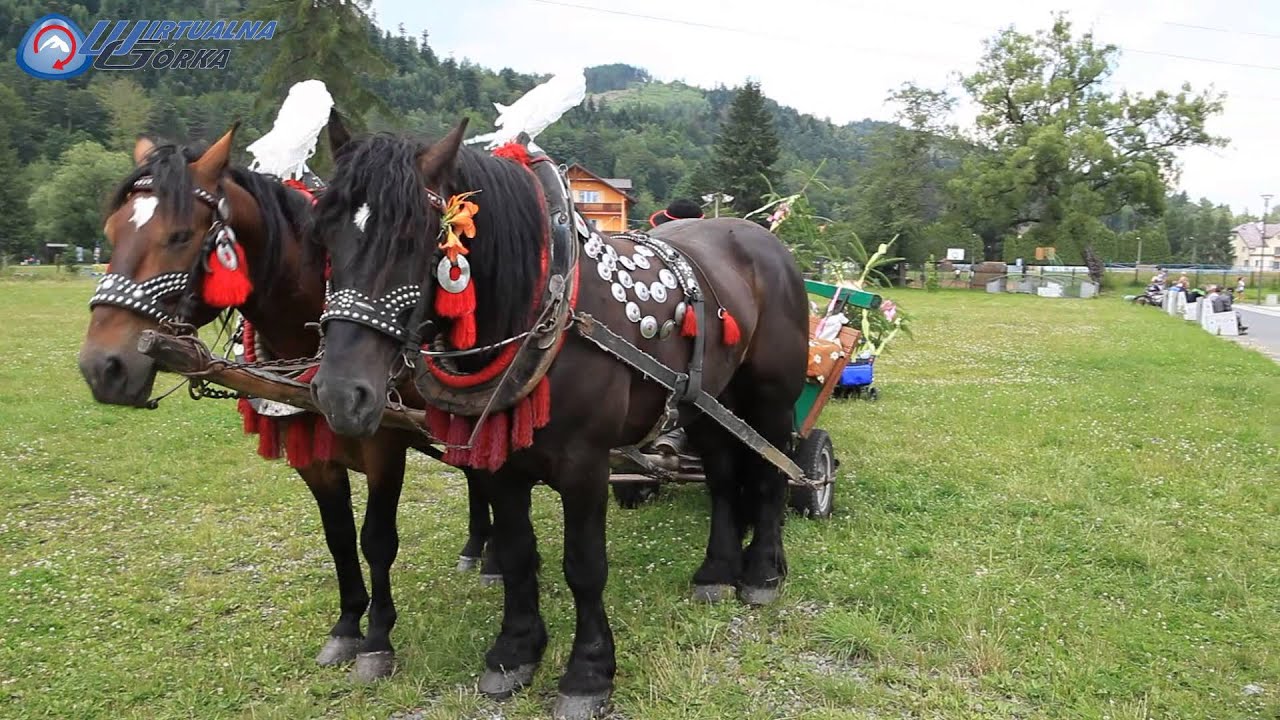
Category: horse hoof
[498,685]
[338,651]
[712,593]
[467,563]
[758,595]
[580,707]
[490,580]
[373,666]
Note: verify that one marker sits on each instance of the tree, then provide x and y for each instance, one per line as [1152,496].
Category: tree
[68,205]
[746,150]
[1057,146]
[128,105]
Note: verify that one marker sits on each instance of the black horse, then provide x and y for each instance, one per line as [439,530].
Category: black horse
[158,217]
[381,221]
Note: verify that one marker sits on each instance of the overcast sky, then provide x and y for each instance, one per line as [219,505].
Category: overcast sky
[838,59]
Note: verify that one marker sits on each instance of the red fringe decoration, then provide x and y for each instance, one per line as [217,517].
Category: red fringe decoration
[248,417]
[542,403]
[513,151]
[463,332]
[459,433]
[268,438]
[323,440]
[299,444]
[689,326]
[495,434]
[522,424]
[732,333]
[437,423]
[223,287]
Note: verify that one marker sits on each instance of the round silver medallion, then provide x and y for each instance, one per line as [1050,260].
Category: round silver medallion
[619,292]
[644,250]
[680,310]
[227,256]
[108,283]
[648,324]
[444,276]
[624,277]
[613,254]
[633,312]
[609,262]
[592,248]
[667,328]
[658,292]
[625,261]
[606,271]
[642,291]
[641,261]
[667,277]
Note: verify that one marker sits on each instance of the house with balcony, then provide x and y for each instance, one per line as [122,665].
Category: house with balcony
[603,201]
[1255,247]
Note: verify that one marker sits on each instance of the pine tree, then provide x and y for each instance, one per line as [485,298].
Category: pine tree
[746,150]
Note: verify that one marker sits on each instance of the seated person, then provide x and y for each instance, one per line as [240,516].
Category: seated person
[680,209]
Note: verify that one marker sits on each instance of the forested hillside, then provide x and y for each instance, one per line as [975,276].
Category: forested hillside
[63,143]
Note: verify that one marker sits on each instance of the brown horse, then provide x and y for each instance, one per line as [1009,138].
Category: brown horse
[381,221]
[158,217]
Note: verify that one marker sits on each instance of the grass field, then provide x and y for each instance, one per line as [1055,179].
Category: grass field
[1058,509]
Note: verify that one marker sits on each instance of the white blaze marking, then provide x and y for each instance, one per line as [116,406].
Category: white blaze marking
[361,216]
[143,209]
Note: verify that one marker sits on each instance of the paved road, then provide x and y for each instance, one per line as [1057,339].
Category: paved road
[1264,328]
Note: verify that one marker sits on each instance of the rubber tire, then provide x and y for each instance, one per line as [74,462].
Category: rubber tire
[816,456]
[873,395]
[632,495]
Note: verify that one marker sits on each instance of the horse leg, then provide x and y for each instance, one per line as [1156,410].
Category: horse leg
[587,682]
[715,578]
[479,528]
[765,491]
[329,484]
[516,652]
[380,541]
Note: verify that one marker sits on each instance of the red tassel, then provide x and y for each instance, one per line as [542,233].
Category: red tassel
[248,417]
[437,423]
[268,438]
[689,326]
[227,288]
[522,424]
[453,305]
[459,433]
[542,403]
[463,332]
[323,440]
[298,442]
[732,333]
[496,430]
[513,151]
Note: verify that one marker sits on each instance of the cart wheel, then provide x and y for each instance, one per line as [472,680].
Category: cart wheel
[817,459]
[873,394]
[632,495]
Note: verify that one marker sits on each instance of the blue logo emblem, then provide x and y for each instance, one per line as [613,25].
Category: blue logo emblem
[53,49]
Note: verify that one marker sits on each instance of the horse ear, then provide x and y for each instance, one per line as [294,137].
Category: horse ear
[439,157]
[215,159]
[141,149]
[338,135]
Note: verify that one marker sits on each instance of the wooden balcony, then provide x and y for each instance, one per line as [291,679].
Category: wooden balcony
[587,208]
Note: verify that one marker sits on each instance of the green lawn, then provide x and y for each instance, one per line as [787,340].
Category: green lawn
[1059,509]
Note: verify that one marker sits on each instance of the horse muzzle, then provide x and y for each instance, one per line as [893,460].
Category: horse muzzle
[352,406]
[118,378]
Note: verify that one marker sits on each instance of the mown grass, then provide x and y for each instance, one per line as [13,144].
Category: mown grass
[1058,509]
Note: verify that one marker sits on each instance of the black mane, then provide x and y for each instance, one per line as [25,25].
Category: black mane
[283,209]
[511,225]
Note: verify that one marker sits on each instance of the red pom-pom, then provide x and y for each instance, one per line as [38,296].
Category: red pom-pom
[323,440]
[463,333]
[298,442]
[522,424]
[689,326]
[732,334]
[452,305]
[542,403]
[458,435]
[437,423]
[513,151]
[224,287]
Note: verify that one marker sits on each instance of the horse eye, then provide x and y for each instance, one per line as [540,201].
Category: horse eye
[179,237]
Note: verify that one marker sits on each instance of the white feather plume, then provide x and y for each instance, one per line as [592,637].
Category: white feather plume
[284,150]
[536,109]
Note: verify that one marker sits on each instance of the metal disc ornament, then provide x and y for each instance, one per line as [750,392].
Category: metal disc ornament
[633,312]
[641,261]
[593,248]
[648,325]
[643,250]
[658,292]
[606,271]
[613,254]
[624,277]
[445,277]
[642,291]
[668,327]
[680,310]
[626,262]
[226,253]
[619,292]
[667,277]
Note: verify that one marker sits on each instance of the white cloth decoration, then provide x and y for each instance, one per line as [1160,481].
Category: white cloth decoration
[284,150]
[536,109]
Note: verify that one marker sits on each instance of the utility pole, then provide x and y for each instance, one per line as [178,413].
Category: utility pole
[1138,260]
[1262,246]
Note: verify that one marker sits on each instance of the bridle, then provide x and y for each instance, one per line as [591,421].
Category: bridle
[145,298]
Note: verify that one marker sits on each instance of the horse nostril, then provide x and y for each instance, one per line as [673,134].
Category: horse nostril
[360,395]
[112,369]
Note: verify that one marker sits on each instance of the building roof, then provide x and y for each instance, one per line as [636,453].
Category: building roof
[622,185]
[1248,233]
